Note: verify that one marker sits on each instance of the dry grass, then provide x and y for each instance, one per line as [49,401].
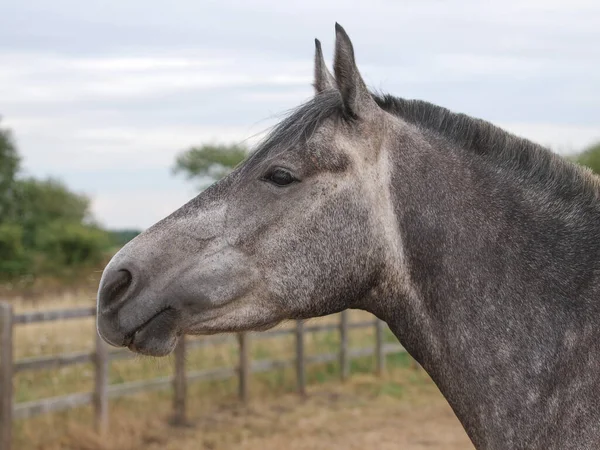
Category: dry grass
[272,419]
[402,411]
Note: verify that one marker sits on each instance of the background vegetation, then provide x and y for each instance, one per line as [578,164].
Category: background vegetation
[209,163]
[46,230]
[590,157]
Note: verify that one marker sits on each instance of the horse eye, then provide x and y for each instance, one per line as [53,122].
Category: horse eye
[280,177]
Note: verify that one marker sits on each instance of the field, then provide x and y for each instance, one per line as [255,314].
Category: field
[401,409]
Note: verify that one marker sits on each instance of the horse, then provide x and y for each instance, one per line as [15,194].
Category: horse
[480,250]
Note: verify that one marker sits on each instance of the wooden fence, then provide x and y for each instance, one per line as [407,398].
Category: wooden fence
[101,357]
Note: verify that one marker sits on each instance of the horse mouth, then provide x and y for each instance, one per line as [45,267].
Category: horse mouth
[157,336]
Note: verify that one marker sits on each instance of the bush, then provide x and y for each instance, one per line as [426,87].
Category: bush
[590,157]
[13,257]
[122,237]
[42,202]
[71,245]
[45,228]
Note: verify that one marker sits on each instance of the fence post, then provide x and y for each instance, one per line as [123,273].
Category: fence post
[179,385]
[379,354]
[244,368]
[101,362]
[300,369]
[6,375]
[344,360]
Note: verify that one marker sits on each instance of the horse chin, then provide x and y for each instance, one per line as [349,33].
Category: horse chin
[158,337]
[154,347]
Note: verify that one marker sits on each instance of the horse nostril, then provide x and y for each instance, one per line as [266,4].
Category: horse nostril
[114,287]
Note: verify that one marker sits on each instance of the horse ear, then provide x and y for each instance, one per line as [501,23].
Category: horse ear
[323,78]
[356,97]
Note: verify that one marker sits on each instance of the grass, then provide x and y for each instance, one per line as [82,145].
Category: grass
[402,400]
[132,416]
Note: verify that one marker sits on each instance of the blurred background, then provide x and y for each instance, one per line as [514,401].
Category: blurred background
[114,114]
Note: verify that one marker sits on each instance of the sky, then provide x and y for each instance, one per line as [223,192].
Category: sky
[104,94]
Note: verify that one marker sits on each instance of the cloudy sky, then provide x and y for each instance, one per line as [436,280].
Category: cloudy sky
[104,94]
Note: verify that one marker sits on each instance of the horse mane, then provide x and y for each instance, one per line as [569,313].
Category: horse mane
[529,160]
[526,159]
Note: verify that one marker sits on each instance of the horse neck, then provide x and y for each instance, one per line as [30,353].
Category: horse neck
[501,310]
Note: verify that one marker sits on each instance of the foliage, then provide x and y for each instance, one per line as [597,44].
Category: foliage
[590,157]
[45,228]
[122,237]
[42,202]
[9,166]
[13,257]
[209,162]
[71,244]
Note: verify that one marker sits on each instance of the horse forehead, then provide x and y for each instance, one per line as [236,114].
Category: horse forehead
[361,148]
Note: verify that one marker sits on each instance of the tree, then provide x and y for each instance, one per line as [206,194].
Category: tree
[9,167]
[13,257]
[590,157]
[122,237]
[70,244]
[45,228]
[56,228]
[42,202]
[209,162]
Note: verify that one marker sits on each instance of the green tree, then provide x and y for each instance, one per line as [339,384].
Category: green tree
[45,228]
[68,244]
[122,237]
[9,167]
[14,259]
[209,162]
[42,202]
[590,157]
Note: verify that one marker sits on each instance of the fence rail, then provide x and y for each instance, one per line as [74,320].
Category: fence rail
[101,357]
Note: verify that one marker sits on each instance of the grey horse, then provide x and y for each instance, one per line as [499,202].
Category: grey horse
[480,250]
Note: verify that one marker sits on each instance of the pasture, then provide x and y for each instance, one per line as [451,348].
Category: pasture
[217,419]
